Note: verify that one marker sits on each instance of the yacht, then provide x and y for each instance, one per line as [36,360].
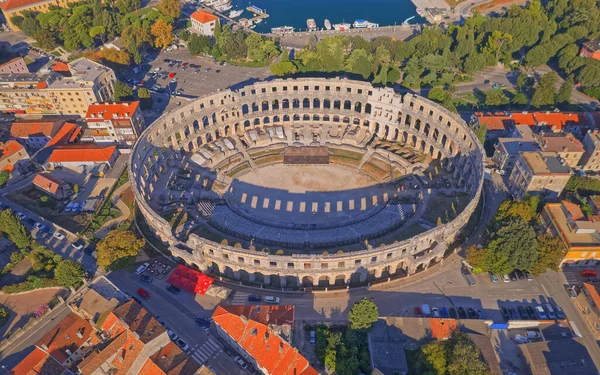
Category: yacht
[224,7]
[327,24]
[235,13]
[342,26]
[311,24]
[282,30]
[364,24]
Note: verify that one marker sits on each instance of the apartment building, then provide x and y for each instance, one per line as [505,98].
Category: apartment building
[539,173]
[13,157]
[566,146]
[57,92]
[16,65]
[35,134]
[118,123]
[591,157]
[12,8]
[203,23]
[507,150]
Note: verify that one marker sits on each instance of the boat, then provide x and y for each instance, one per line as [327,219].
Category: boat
[235,13]
[342,26]
[327,24]
[420,12]
[311,24]
[364,24]
[259,20]
[224,7]
[282,30]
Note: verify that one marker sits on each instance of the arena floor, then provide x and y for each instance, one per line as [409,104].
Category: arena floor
[303,178]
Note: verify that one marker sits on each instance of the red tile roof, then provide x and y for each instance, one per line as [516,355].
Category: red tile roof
[496,123]
[13,4]
[573,210]
[169,360]
[60,67]
[442,328]
[66,335]
[101,112]
[48,182]
[271,352]
[82,153]
[25,129]
[9,148]
[139,320]
[64,135]
[265,314]
[523,119]
[92,362]
[593,294]
[203,17]
[37,363]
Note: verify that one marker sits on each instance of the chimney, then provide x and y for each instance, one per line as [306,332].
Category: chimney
[266,335]
[281,347]
[80,332]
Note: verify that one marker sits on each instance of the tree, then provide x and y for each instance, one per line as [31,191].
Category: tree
[98,31]
[360,62]
[122,92]
[128,6]
[551,251]
[16,231]
[170,8]
[496,98]
[17,21]
[519,99]
[474,62]
[30,26]
[76,188]
[363,314]
[184,35]
[163,34]
[68,273]
[285,55]
[4,177]
[544,93]
[283,68]
[118,249]
[481,132]
[437,94]
[198,43]
[564,93]
[512,246]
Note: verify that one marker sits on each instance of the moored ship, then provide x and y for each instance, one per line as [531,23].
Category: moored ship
[235,13]
[224,7]
[311,24]
[282,30]
[327,24]
[364,24]
[341,26]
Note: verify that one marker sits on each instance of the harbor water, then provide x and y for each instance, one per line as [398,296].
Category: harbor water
[295,13]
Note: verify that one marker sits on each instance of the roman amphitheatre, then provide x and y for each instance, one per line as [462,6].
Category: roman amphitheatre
[308,182]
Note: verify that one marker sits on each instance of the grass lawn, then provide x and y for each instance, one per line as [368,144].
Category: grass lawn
[238,169]
[445,209]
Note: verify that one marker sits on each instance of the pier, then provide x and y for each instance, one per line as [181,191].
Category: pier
[259,14]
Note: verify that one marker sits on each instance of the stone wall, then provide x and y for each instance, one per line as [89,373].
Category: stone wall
[311,112]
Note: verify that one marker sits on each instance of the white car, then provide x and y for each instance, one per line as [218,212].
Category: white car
[183,345]
[59,236]
[505,278]
[271,299]
[21,215]
[436,312]
[141,268]
[38,225]
[172,335]
[240,361]
[69,207]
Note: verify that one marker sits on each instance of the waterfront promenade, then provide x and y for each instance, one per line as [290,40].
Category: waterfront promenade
[300,39]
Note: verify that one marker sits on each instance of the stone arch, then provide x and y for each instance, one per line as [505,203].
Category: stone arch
[346,120]
[358,107]
[275,104]
[316,118]
[340,280]
[336,118]
[307,281]
[337,104]
[324,281]
[254,107]
[347,104]
[306,103]
[316,103]
[326,118]
[266,120]
[286,118]
[246,123]
[368,108]
[245,110]
[256,121]
[305,117]
[326,103]
[196,126]
[296,103]
[265,105]
[205,122]
[426,129]
[420,267]
[285,103]
[258,277]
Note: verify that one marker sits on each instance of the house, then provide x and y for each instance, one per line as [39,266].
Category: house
[566,146]
[539,173]
[35,134]
[53,186]
[259,344]
[118,123]
[169,360]
[497,125]
[68,341]
[37,362]
[507,150]
[591,157]
[580,235]
[203,23]
[82,157]
[591,49]
[567,356]
[130,335]
[589,302]
[13,158]
[16,65]
[92,305]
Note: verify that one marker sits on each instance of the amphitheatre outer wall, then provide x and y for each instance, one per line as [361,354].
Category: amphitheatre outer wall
[312,112]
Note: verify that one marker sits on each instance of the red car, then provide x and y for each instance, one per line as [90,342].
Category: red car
[588,273]
[143,293]
[185,64]
[172,75]
[418,312]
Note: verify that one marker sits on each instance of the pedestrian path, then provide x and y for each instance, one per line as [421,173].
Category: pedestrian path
[209,350]
[240,298]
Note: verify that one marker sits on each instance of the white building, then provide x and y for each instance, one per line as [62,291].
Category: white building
[203,23]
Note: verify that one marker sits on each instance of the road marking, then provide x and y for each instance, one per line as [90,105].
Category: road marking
[545,291]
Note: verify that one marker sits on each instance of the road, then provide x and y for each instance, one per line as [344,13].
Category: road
[14,354]
[179,312]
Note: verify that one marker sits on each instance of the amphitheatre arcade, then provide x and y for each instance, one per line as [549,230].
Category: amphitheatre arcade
[308,182]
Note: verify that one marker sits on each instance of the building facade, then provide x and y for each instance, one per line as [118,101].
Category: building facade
[35,134]
[13,157]
[118,123]
[16,65]
[12,8]
[86,83]
[566,146]
[507,150]
[82,157]
[591,157]
[53,186]
[538,173]
[204,23]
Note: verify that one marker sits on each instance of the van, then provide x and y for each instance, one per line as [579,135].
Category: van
[469,278]
[550,310]
[426,310]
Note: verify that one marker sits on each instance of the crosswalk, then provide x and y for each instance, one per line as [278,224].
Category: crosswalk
[209,349]
[240,298]
[571,277]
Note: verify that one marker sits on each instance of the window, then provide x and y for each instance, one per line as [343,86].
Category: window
[338,89]
[290,265]
[295,88]
[274,89]
[263,90]
[373,259]
[327,88]
[341,264]
[284,88]
[389,255]
[211,251]
[241,259]
[348,90]
[307,266]
[256,262]
[357,262]
[316,88]
[359,91]
[273,264]
[305,88]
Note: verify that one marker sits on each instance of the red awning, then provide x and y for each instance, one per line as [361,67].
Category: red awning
[189,279]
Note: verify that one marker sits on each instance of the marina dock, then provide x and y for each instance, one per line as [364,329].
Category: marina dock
[259,14]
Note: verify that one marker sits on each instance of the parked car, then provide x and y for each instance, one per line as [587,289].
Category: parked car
[240,361]
[59,236]
[38,225]
[520,274]
[146,279]
[182,344]
[513,276]
[541,314]
[172,335]
[588,273]
[21,215]
[528,275]
[452,312]
[161,321]
[436,312]
[75,207]
[141,268]
[513,313]
[504,312]
[550,311]
[531,312]
[462,314]
[272,300]
[312,338]
[254,298]
[69,207]
[444,312]
[418,312]
[143,293]
[78,245]
[480,314]
[570,291]
[522,312]
[472,313]
[493,277]
[204,323]
[173,289]
[559,312]
[426,310]
[505,278]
